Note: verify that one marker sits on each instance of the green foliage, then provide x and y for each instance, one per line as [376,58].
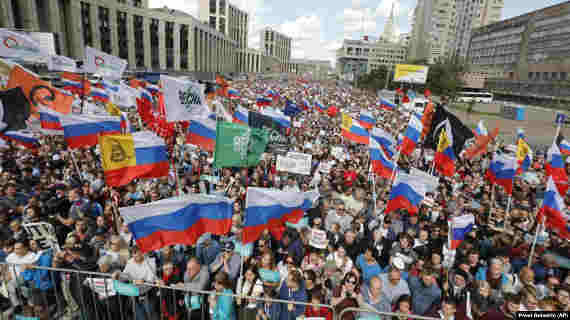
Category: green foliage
[374,80]
[443,79]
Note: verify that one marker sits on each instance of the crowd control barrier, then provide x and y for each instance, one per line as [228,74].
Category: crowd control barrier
[75,294]
[372,314]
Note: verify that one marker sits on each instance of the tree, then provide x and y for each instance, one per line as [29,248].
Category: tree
[375,80]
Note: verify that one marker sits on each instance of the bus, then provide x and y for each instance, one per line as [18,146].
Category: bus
[468,96]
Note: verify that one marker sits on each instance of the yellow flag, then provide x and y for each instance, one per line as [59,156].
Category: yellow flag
[346,121]
[113,109]
[443,141]
[117,151]
[522,150]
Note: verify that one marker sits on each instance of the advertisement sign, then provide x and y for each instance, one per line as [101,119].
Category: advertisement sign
[410,73]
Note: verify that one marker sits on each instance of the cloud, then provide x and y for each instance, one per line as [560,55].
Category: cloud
[384,8]
[188,6]
[354,20]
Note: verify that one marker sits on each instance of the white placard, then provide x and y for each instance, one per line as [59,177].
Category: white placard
[325,167]
[184,100]
[318,239]
[294,162]
[297,124]
[431,182]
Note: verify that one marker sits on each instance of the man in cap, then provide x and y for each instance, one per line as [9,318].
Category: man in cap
[227,261]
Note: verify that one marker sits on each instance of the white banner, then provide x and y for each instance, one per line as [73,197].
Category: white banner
[103,64]
[16,45]
[61,63]
[430,181]
[184,100]
[294,162]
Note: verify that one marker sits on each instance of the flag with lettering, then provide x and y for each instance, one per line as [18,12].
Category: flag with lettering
[184,100]
[238,145]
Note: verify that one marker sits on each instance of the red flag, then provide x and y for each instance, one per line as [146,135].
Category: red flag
[427,93]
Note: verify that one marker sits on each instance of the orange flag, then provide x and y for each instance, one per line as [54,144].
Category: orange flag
[427,118]
[39,92]
[480,146]
[223,91]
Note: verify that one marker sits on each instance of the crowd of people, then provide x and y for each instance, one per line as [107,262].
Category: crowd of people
[372,261]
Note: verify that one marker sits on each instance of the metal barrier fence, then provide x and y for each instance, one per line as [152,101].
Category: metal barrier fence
[74,294]
[373,314]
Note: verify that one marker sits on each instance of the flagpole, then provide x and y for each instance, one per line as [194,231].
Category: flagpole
[492,203]
[76,166]
[83,90]
[508,211]
[395,168]
[538,228]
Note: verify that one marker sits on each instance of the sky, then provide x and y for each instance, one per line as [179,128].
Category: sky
[318,27]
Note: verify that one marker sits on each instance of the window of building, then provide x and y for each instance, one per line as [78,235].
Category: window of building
[122,35]
[554,76]
[85,21]
[222,7]
[137,3]
[154,43]
[139,40]
[213,22]
[213,6]
[223,25]
[530,75]
[563,75]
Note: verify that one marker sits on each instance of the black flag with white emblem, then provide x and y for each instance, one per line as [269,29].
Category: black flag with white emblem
[14,110]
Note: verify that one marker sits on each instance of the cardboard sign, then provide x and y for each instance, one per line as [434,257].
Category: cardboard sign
[318,239]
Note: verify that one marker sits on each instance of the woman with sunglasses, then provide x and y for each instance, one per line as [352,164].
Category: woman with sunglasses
[344,296]
[222,306]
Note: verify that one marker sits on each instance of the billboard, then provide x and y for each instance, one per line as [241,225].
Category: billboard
[410,73]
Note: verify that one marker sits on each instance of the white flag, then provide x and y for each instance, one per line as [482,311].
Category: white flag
[183,100]
[126,96]
[103,64]
[18,45]
[61,63]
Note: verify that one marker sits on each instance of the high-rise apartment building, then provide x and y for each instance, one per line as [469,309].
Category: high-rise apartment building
[472,14]
[228,19]
[276,44]
[358,57]
[433,30]
[149,39]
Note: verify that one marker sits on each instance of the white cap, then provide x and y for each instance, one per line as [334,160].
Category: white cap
[398,263]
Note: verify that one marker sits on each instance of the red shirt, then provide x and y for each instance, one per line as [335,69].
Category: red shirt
[323,312]
[349,178]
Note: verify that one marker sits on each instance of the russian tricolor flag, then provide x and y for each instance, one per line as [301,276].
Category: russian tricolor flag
[270,209]
[553,210]
[481,130]
[386,141]
[444,159]
[460,227]
[21,137]
[263,101]
[278,116]
[407,193]
[107,85]
[387,104]
[202,133]
[381,165]
[320,106]
[270,93]
[556,169]
[49,121]
[565,147]
[178,220]
[75,83]
[355,132]
[502,171]
[84,130]
[99,94]
[411,136]
[367,119]
[241,115]
[233,93]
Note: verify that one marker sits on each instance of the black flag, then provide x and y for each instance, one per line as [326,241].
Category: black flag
[14,110]
[461,133]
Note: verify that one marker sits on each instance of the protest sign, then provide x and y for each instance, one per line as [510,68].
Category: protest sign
[430,181]
[294,162]
[318,239]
